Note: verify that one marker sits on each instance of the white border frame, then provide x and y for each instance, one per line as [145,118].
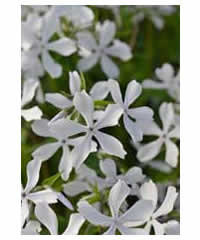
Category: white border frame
[10,116]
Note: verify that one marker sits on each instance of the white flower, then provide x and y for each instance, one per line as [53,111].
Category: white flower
[47,195]
[49,219]
[85,181]
[84,105]
[42,45]
[167,80]
[44,129]
[140,211]
[31,64]
[80,16]
[132,176]
[30,86]
[62,102]
[169,130]
[98,92]
[149,192]
[27,10]
[140,114]
[153,13]
[92,52]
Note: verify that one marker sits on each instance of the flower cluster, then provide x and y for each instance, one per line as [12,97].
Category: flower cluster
[78,173]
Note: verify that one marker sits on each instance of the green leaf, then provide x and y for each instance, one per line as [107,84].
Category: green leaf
[51,180]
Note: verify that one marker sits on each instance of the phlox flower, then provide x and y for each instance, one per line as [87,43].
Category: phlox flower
[167,80]
[85,181]
[139,211]
[93,51]
[169,130]
[41,45]
[44,129]
[132,177]
[154,13]
[139,115]
[98,92]
[49,219]
[85,106]
[149,191]
[30,86]
[28,195]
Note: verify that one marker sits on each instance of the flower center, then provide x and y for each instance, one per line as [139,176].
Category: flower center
[63,141]
[23,195]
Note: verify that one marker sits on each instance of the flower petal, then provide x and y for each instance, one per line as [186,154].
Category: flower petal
[53,68]
[133,129]
[29,89]
[158,227]
[65,165]
[84,104]
[86,40]
[24,211]
[87,63]
[46,151]
[172,227]
[149,151]
[92,215]
[109,67]
[74,82]
[76,187]
[171,153]
[47,217]
[106,32]
[133,91]
[30,114]
[64,201]
[31,228]
[41,128]
[115,91]
[140,211]
[75,223]
[149,191]
[110,144]
[49,26]
[33,174]
[150,128]
[131,231]
[111,230]
[166,113]
[47,195]
[108,167]
[99,90]
[119,49]
[168,203]
[110,117]
[117,196]
[175,133]
[63,128]
[64,46]
[165,73]
[81,152]
[58,100]
[134,175]
[148,83]
[80,16]
[141,113]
